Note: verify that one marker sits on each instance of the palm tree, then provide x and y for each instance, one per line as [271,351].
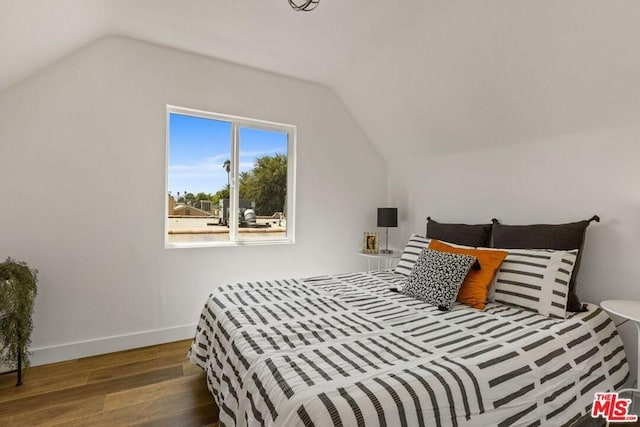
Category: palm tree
[227,166]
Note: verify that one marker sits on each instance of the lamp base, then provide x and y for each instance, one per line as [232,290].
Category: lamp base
[386,251]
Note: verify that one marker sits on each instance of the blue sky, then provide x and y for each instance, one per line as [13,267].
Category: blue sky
[198,148]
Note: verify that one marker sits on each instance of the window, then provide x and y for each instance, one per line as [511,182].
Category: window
[230,180]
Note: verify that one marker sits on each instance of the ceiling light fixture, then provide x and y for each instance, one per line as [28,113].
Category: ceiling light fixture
[304,5]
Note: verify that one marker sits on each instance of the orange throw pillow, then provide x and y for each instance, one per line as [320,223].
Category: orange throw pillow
[476,285]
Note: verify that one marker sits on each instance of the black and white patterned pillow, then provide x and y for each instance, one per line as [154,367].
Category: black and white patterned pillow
[411,252]
[535,279]
[437,276]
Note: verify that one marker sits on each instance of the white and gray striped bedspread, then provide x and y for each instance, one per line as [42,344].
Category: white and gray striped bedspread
[344,350]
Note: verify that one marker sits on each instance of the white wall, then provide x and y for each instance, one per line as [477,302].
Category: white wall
[527,111]
[82,167]
[566,178]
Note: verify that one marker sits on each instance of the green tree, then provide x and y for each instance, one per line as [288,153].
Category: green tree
[203,196]
[227,167]
[266,184]
[189,197]
[220,194]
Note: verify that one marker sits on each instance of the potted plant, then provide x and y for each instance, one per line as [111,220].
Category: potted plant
[17,294]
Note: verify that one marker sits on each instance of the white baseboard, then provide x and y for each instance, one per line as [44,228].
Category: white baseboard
[75,350]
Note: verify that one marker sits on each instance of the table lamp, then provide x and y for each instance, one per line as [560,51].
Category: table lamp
[387,217]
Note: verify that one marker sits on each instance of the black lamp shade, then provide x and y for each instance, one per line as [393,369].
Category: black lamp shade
[387,217]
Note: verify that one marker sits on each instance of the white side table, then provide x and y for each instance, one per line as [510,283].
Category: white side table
[628,310]
[383,260]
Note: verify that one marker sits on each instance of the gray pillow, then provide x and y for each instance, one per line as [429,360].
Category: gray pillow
[562,237]
[437,276]
[461,234]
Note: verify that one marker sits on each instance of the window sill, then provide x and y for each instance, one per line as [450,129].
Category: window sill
[188,245]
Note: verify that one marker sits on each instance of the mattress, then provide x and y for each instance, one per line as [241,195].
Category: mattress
[347,350]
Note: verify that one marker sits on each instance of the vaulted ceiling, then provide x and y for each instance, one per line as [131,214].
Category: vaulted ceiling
[420,76]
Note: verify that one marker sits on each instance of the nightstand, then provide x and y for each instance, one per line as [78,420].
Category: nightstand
[627,310]
[383,260]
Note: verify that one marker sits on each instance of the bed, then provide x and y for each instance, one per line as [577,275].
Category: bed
[347,350]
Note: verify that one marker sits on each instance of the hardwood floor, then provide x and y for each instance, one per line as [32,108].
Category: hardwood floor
[151,386]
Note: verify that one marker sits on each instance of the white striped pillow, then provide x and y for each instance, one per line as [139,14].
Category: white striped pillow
[410,255]
[537,280]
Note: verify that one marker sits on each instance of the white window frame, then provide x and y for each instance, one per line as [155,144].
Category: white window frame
[234,191]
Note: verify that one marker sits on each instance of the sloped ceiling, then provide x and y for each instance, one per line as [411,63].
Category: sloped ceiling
[421,76]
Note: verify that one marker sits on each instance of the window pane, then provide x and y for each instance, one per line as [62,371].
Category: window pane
[198,178]
[263,184]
